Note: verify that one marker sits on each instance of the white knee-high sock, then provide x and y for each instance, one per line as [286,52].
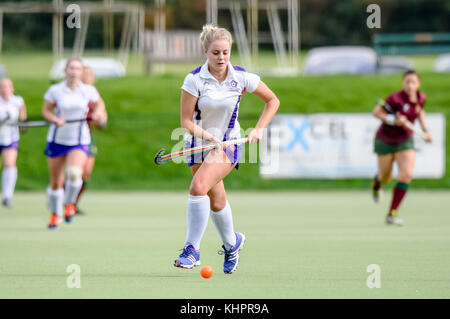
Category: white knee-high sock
[9,178]
[55,200]
[223,220]
[72,190]
[197,219]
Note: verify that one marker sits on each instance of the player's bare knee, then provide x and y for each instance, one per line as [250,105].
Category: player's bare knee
[197,188]
[74,173]
[218,204]
[405,178]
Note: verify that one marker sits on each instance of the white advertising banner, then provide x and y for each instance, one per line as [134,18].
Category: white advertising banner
[340,145]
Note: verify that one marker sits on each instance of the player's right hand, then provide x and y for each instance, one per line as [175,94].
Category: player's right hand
[400,119]
[217,143]
[255,135]
[60,122]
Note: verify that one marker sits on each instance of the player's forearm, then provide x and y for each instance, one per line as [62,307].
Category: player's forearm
[196,130]
[269,112]
[49,115]
[422,122]
[23,114]
[100,108]
[99,114]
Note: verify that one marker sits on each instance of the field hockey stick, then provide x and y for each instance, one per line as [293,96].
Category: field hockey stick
[161,158]
[415,129]
[42,123]
[407,123]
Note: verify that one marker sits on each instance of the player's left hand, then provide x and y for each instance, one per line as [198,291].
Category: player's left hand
[98,119]
[400,119]
[255,135]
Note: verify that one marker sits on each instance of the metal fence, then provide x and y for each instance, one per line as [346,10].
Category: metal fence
[172,47]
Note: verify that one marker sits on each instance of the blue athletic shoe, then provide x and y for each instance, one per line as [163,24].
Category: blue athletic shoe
[232,256]
[189,258]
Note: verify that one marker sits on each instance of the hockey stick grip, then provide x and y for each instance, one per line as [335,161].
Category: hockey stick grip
[413,128]
[236,141]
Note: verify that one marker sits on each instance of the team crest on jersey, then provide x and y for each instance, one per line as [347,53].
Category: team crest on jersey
[233,83]
[406,107]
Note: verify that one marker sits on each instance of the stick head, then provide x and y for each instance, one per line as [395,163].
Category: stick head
[380,101]
[158,156]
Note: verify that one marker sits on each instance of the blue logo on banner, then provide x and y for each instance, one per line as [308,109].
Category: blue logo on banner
[298,135]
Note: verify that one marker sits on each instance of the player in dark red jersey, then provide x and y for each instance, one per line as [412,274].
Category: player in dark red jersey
[394,142]
[89,78]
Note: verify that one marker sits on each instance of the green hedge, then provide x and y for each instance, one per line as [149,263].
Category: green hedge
[143,111]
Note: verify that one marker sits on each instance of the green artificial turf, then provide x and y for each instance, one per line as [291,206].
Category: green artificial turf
[299,245]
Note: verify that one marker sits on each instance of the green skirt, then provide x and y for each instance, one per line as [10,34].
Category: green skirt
[382,148]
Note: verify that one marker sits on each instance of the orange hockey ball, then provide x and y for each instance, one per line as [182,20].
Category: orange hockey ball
[206,272]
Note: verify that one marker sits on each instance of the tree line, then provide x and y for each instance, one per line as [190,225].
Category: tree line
[322,22]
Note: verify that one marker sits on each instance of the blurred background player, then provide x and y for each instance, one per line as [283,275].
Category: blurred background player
[394,142]
[67,146]
[12,109]
[210,100]
[89,78]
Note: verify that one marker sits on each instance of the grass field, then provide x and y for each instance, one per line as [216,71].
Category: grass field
[300,245]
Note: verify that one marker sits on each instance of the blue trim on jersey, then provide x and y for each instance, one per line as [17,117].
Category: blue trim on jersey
[192,145]
[238,68]
[54,132]
[233,119]
[56,127]
[198,117]
[197,70]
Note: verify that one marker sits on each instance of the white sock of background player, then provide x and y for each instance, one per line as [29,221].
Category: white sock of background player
[55,200]
[9,178]
[73,184]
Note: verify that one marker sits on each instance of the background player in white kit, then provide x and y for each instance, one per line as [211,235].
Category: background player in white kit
[89,78]
[67,146]
[210,100]
[12,109]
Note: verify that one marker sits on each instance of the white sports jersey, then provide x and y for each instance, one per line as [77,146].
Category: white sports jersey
[217,107]
[71,105]
[10,110]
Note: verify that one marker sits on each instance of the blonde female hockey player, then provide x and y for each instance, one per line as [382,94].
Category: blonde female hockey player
[210,100]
